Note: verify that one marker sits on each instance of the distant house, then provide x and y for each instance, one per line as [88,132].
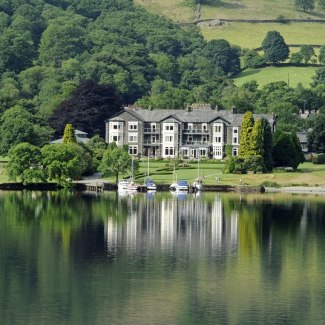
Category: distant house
[302,136]
[169,133]
[81,137]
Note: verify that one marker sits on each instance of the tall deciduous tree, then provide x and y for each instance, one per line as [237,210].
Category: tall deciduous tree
[307,52]
[274,47]
[305,5]
[25,164]
[115,161]
[247,125]
[64,162]
[87,108]
[69,135]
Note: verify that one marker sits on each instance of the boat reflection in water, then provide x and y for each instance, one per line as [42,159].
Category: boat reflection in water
[166,222]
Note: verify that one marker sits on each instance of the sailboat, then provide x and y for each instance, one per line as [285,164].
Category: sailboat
[150,184]
[198,183]
[178,186]
[132,186]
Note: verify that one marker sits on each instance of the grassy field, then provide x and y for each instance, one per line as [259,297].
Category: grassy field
[176,10]
[248,35]
[264,76]
[183,10]
[257,9]
[308,174]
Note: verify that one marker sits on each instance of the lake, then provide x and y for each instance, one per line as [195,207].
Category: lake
[82,258]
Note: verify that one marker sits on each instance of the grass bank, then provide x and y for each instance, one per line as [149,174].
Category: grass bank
[307,174]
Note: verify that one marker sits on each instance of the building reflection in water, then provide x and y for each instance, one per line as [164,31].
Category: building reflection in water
[171,222]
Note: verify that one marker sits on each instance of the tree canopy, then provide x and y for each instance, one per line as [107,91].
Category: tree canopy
[274,47]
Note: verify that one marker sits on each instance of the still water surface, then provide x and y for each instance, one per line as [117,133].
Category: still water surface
[72,258]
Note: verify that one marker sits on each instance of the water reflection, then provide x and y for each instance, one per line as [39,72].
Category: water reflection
[80,258]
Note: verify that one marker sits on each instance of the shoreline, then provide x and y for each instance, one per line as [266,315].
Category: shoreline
[297,189]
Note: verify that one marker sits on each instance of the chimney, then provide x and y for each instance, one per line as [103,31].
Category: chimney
[150,108]
[188,108]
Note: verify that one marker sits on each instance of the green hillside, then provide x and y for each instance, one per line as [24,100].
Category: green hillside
[291,75]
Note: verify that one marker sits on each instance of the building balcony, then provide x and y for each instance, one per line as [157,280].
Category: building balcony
[195,131]
[195,143]
[151,143]
[150,130]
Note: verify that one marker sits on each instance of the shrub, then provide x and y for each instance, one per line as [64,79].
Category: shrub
[255,164]
[270,184]
[318,159]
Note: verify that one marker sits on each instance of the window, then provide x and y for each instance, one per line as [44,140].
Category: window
[217,151]
[133,150]
[218,128]
[235,140]
[204,127]
[169,138]
[116,126]
[203,152]
[133,126]
[169,151]
[133,137]
[218,139]
[235,151]
[169,127]
[235,130]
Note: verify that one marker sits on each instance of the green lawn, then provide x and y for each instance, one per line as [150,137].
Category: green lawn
[272,74]
[308,174]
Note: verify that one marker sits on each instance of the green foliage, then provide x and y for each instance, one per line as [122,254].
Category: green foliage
[18,125]
[274,47]
[254,163]
[267,145]
[257,139]
[235,165]
[97,146]
[252,59]
[222,55]
[286,150]
[319,77]
[115,161]
[247,125]
[316,138]
[69,134]
[307,52]
[305,5]
[321,3]
[64,162]
[321,56]
[296,58]
[25,164]
[228,150]
[318,158]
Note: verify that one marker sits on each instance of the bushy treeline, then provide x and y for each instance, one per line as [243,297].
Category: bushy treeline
[55,55]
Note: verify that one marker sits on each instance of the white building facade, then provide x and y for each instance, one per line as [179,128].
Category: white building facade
[184,133]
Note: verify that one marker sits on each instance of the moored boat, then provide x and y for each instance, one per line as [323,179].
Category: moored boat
[180,186]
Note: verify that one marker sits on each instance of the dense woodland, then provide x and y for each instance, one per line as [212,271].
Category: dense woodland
[79,62]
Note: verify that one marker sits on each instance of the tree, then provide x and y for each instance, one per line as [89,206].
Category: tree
[321,56]
[321,3]
[316,138]
[319,77]
[247,125]
[222,55]
[87,108]
[97,146]
[307,52]
[69,134]
[115,161]
[274,47]
[305,5]
[257,139]
[267,145]
[17,125]
[286,151]
[25,164]
[64,162]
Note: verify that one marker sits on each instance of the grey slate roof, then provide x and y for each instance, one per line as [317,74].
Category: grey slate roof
[195,115]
